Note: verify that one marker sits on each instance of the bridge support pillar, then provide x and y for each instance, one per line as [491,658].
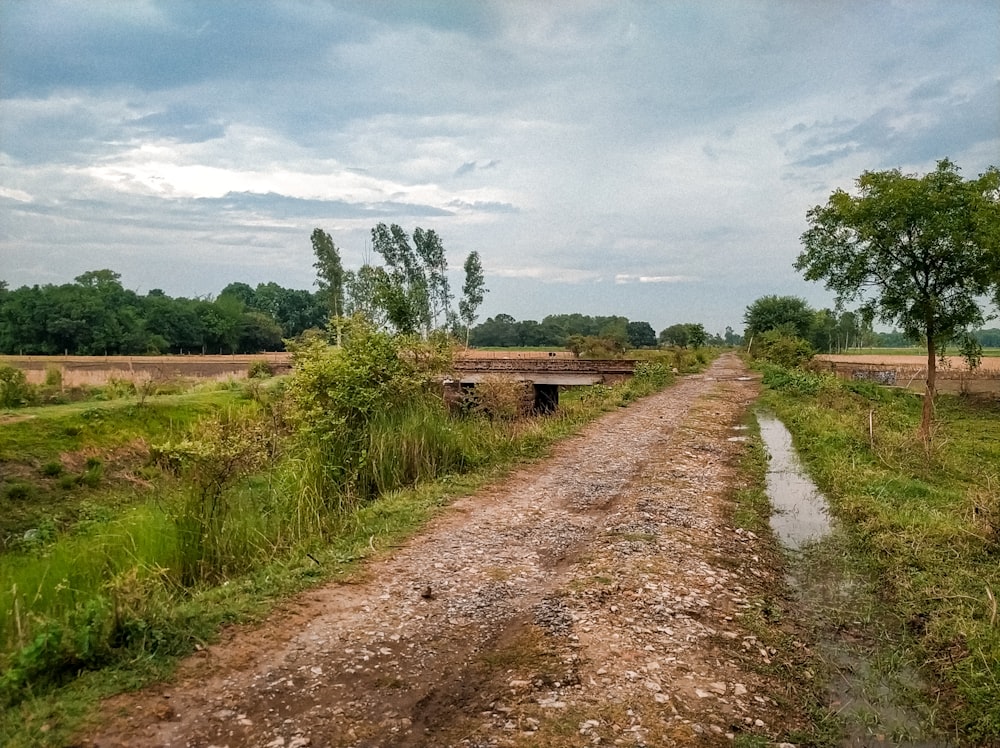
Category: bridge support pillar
[546,397]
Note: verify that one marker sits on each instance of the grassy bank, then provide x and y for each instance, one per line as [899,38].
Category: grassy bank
[925,523]
[111,599]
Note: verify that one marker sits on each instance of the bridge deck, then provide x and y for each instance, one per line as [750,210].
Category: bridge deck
[559,371]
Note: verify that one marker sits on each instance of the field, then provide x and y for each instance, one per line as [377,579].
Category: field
[96,371]
[909,370]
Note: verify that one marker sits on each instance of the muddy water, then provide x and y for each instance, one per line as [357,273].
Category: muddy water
[801,513]
[876,695]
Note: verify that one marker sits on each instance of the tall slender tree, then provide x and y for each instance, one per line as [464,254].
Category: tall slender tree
[330,276]
[473,291]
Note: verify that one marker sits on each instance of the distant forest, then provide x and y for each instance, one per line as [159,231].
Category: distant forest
[95,315]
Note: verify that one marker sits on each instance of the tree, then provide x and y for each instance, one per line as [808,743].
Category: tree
[402,285]
[429,249]
[697,336]
[920,251]
[776,312]
[685,334]
[473,291]
[675,335]
[329,276]
[641,335]
[731,338]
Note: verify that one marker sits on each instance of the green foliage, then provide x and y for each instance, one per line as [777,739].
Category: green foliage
[221,451]
[654,373]
[778,347]
[790,314]
[558,331]
[329,272]
[52,469]
[795,380]
[116,389]
[500,398]
[53,376]
[18,491]
[592,346]
[921,252]
[15,392]
[926,245]
[335,395]
[684,335]
[260,370]
[473,291]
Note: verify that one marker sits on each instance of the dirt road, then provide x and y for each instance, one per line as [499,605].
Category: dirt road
[593,598]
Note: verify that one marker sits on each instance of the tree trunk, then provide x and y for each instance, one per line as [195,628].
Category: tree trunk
[927,415]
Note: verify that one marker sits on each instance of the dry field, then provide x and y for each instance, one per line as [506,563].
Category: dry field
[953,375]
[94,371]
[954,363]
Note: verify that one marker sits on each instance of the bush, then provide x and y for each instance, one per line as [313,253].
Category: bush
[52,469]
[782,349]
[260,370]
[15,392]
[796,381]
[656,374]
[500,398]
[19,491]
[53,376]
[336,394]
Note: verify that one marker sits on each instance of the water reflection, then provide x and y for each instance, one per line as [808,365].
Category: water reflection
[801,514]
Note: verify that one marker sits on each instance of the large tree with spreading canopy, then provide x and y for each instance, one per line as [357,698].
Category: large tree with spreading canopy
[922,252]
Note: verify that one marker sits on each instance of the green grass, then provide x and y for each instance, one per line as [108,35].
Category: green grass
[100,604]
[56,459]
[926,522]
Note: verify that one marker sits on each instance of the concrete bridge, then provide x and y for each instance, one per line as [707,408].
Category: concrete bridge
[545,375]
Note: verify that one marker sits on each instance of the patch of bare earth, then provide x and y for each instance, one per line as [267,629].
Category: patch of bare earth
[591,599]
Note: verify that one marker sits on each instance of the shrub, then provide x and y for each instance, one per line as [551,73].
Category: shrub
[655,373]
[335,395]
[53,376]
[19,491]
[15,392]
[796,381]
[116,389]
[783,349]
[52,469]
[221,451]
[260,370]
[500,398]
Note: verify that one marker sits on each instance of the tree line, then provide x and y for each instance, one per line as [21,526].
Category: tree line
[95,315]
[576,331]
[828,331]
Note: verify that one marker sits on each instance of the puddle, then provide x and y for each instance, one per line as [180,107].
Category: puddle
[800,511]
[877,697]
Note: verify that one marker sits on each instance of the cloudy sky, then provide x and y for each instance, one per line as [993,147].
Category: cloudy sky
[649,159]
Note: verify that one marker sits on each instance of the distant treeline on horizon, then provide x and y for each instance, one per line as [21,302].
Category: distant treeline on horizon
[96,315]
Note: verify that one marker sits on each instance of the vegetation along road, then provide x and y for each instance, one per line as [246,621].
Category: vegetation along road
[602,596]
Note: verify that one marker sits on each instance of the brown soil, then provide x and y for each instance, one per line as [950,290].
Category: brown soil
[956,363]
[594,598]
[94,371]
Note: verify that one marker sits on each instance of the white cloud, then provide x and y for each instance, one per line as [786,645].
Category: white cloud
[617,146]
[625,278]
